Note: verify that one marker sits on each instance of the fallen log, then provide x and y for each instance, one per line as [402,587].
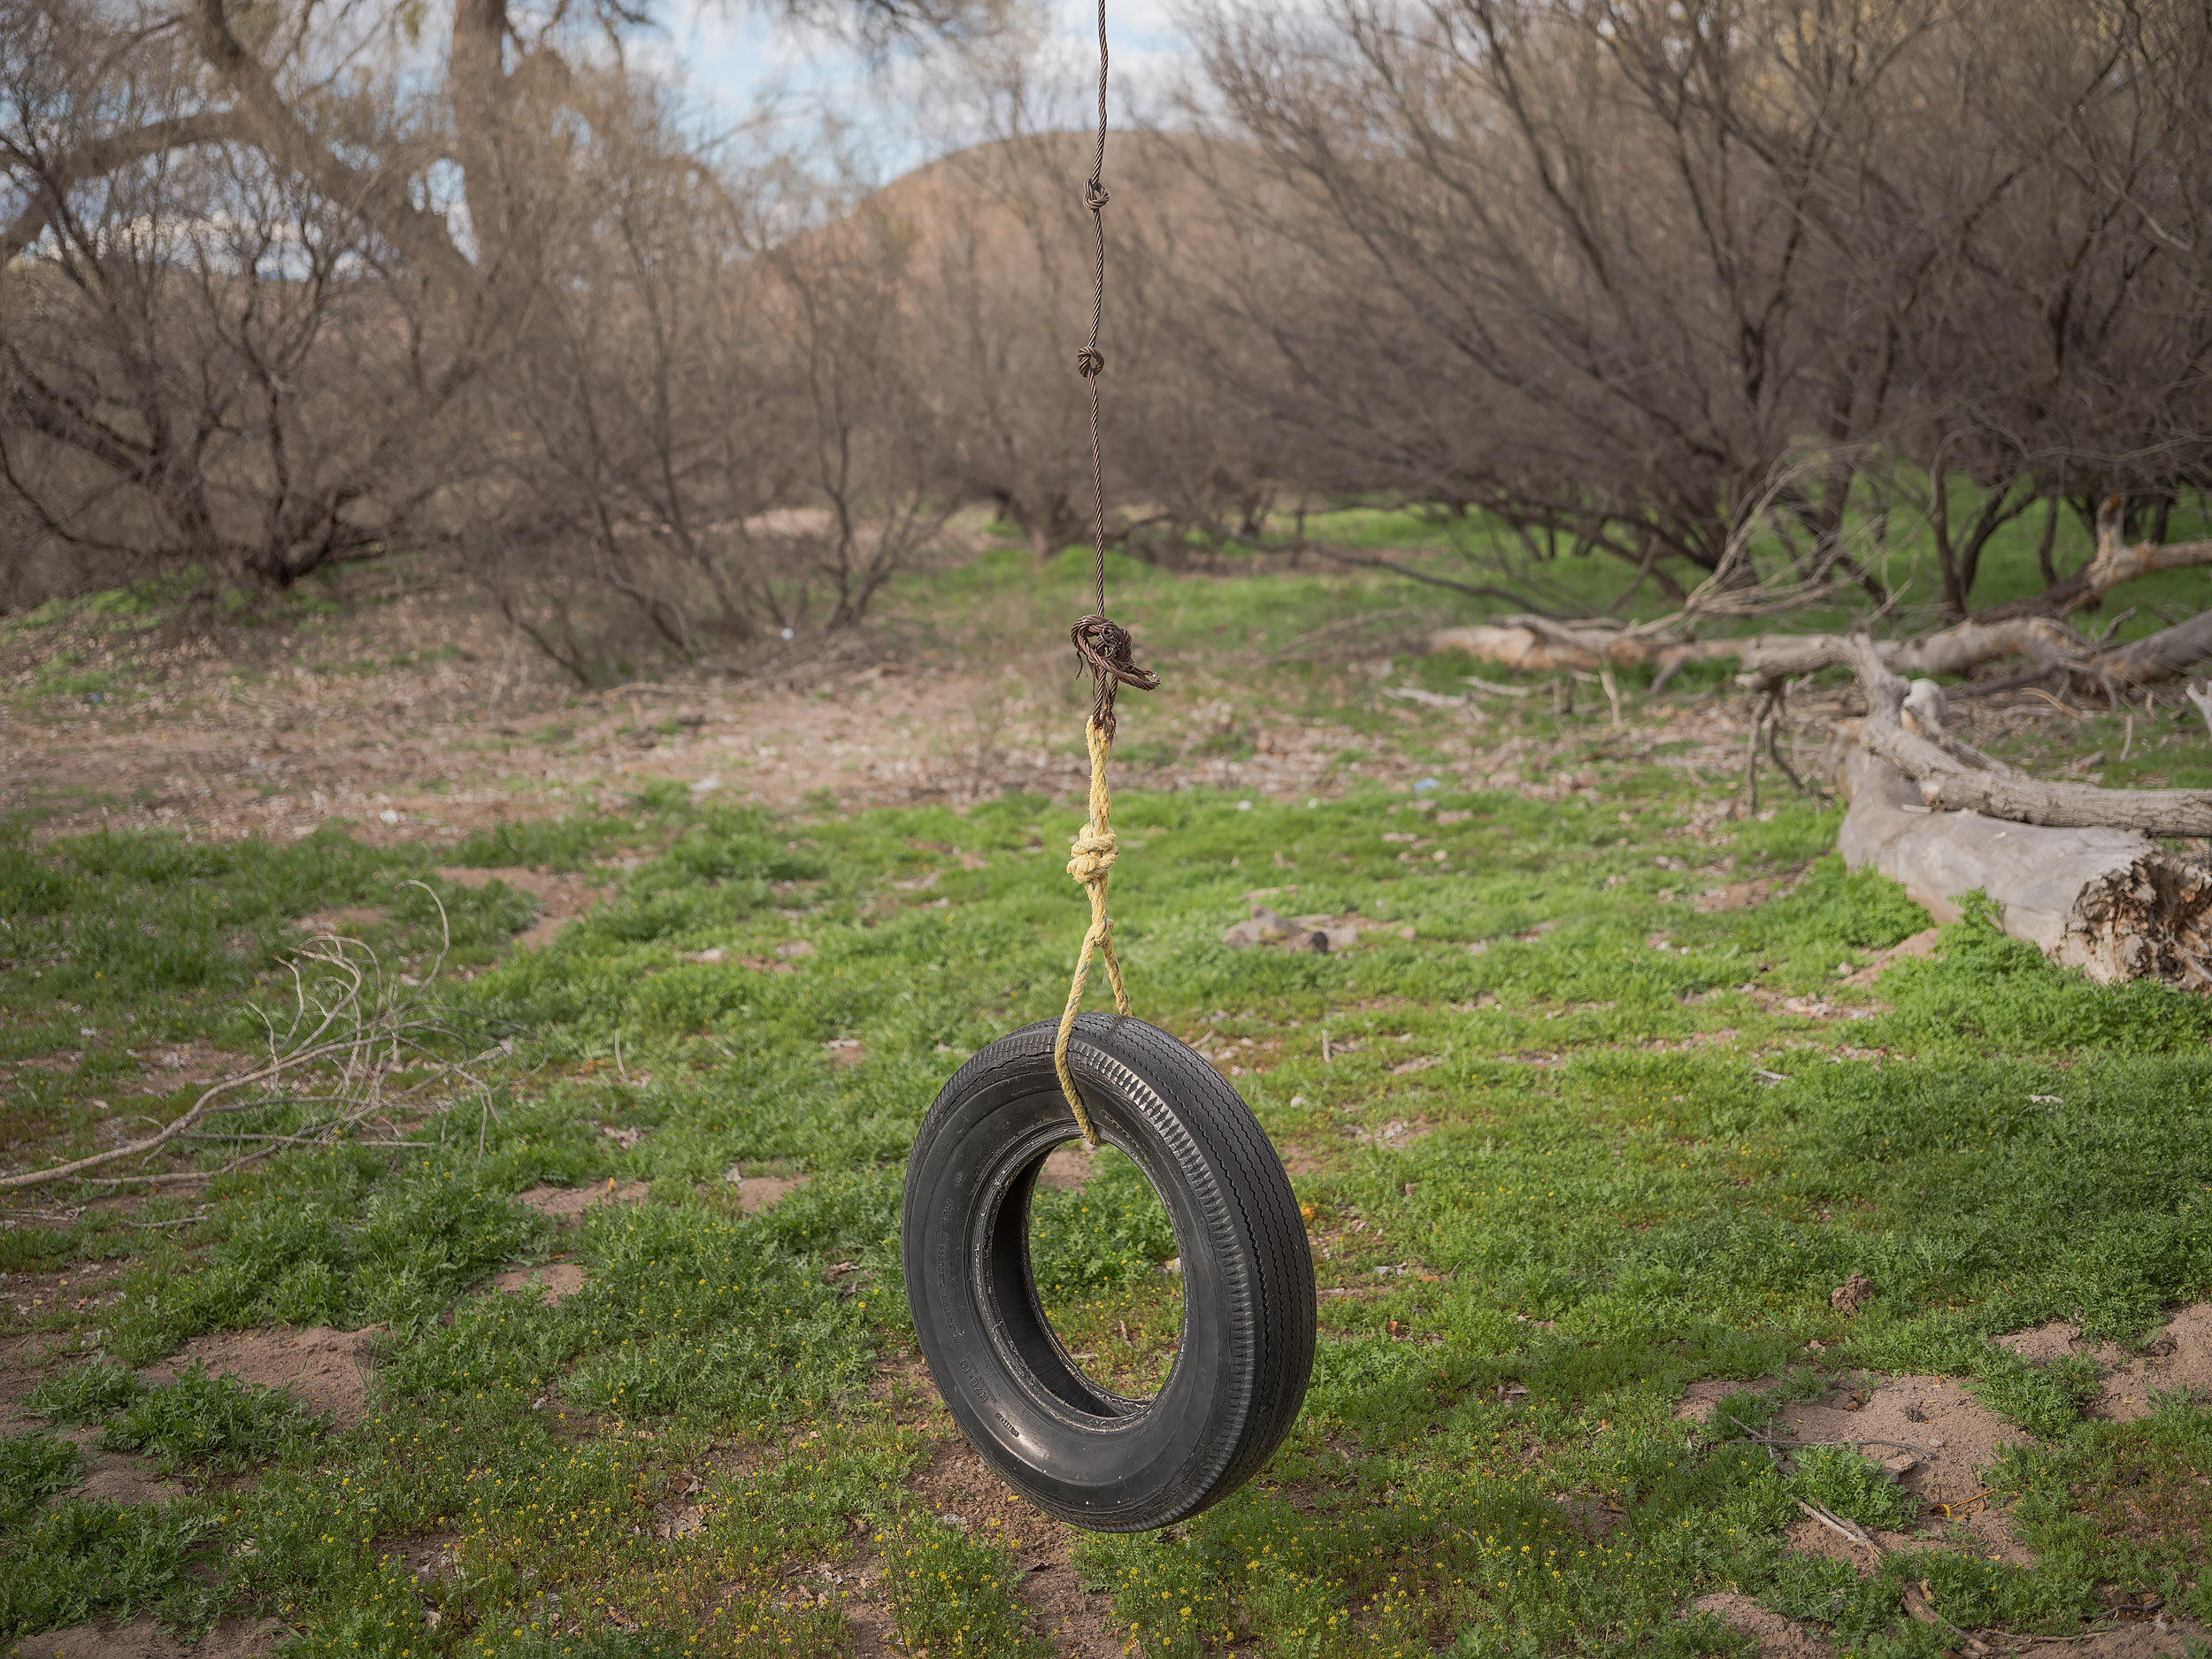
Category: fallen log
[1537,645]
[2109,901]
[1950,775]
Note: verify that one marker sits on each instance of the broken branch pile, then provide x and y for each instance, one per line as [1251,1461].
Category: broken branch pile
[2033,628]
[357,1057]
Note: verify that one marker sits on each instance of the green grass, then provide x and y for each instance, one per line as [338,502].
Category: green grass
[213,1424]
[1550,1117]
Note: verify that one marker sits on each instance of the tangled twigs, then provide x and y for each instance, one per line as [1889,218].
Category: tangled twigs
[356,1053]
[1835,1523]
[1768,724]
[1108,652]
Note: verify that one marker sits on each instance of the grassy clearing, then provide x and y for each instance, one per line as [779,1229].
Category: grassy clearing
[1576,1143]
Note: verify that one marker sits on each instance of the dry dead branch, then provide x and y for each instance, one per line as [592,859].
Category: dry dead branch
[2116,561]
[1956,778]
[1541,645]
[359,1055]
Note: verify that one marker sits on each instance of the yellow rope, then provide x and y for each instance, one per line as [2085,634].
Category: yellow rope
[1091,862]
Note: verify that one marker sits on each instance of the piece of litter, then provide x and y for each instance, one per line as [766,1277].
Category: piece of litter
[1770,1077]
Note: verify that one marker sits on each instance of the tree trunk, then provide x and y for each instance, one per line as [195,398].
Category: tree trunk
[2109,901]
[1537,645]
[2115,562]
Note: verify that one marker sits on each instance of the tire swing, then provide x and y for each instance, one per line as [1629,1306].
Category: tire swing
[1074,1448]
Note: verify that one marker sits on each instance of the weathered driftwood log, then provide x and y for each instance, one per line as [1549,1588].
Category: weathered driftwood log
[2110,902]
[1960,779]
[1539,645]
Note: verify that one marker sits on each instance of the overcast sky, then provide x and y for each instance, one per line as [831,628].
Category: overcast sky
[733,58]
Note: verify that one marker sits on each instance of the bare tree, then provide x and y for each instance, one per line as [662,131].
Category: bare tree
[256,262]
[203,361]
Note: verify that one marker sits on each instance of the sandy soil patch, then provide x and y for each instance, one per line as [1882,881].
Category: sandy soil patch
[231,1639]
[190,1064]
[1947,1435]
[1779,1638]
[559,1280]
[330,1370]
[756,1192]
[1068,1168]
[1699,1399]
[1302,1158]
[1950,1435]
[567,1204]
[2146,1640]
[348,921]
[118,1479]
[2178,1358]
[1399,1132]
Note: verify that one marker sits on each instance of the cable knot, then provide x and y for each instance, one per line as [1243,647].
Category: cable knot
[1091,855]
[1090,363]
[1094,196]
[1108,655]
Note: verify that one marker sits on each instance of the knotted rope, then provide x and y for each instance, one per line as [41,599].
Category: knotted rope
[1106,653]
[1091,862]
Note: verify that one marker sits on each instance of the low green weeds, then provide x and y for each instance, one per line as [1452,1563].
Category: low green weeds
[33,1468]
[213,1424]
[949,1592]
[1567,1143]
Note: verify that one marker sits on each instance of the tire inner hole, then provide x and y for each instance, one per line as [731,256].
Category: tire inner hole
[1103,1256]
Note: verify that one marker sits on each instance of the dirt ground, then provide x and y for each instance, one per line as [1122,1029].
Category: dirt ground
[426,721]
[1937,1438]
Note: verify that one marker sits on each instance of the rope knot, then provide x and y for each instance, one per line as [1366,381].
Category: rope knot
[1090,363]
[1108,655]
[1094,196]
[1091,855]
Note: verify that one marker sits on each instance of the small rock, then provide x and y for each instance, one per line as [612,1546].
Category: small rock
[1263,927]
[1853,1293]
[1898,1467]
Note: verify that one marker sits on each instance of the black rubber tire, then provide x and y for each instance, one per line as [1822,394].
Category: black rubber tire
[1076,1451]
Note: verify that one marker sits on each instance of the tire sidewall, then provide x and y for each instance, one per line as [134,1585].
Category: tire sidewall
[1090,1457]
